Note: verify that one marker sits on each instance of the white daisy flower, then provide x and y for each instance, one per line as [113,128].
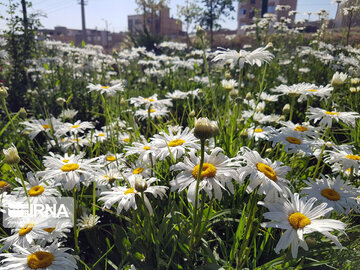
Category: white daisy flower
[260,133]
[294,90]
[74,142]
[338,78]
[326,117]
[109,90]
[269,176]
[25,232]
[139,168]
[112,159]
[50,258]
[323,92]
[298,217]
[56,229]
[88,221]
[153,112]
[125,196]
[304,129]
[145,150]
[293,142]
[38,191]
[108,175]
[258,57]
[36,126]
[216,174]
[333,191]
[229,85]
[74,129]
[345,158]
[98,136]
[269,98]
[177,94]
[70,172]
[174,145]
[68,114]
[151,101]
[124,138]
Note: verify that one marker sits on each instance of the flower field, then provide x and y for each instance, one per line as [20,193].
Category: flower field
[184,158]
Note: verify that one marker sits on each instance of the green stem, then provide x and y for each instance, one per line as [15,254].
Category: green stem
[76,235]
[293,99]
[321,153]
[8,114]
[202,141]
[94,198]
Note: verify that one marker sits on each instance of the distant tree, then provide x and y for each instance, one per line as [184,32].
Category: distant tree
[213,10]
[187,14]
[150,7]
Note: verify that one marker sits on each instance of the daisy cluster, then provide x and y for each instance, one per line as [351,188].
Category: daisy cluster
[134,147]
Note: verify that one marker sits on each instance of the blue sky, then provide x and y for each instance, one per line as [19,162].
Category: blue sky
[114,12]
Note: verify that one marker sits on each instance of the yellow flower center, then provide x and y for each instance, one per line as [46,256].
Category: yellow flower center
[101,134]
[146,147]
[149,99]
[3,184]
[49,230]
[45,126]
[293,140]
[138,170]
[152,110]
[110,158]
[126,140]
[40,259]
[176,142]
[257,130]
[331,113]
[301,128]
[298,220]
[208,170]
[330,194]
[65,160]
[75,126]
[70,167]
[129,191]
[353,157]
[36,190]
[312,90]
[105,87]
[267,170]
[26,229]
[228,88]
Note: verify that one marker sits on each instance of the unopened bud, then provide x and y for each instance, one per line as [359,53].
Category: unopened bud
[282,118]
[353,89]
[286,109]
[354,80]
[268,150]
[200,32]
[227,75]
[201,92]
[248,96]
[122,101]
[205,129]
[3,92]
[140,184]
[22,112]
[60,101]
[192,114]
[244,133]
[11,155]
[233,93]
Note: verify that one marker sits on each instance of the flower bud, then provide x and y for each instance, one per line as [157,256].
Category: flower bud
[338,79]
[227,75]
[286,109]
[354,80]
[60,101]
[205,129]
[248,96]
[11,155]
[200,32]
[3,92]
[22,112]
[122,101]
[140,184]
[192,114]
[268,150]
[233,93]
[353,89]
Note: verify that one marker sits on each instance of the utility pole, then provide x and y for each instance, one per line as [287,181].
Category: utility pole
[82,3]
